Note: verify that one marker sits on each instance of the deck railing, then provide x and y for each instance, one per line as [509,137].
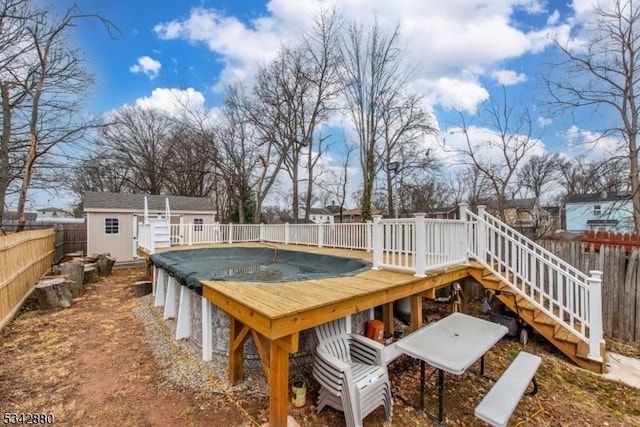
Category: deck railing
[418,245]
[570,297]
[348,236]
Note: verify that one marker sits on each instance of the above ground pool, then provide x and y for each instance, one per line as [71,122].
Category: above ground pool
[265,265]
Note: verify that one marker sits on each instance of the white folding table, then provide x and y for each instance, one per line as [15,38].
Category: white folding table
[452,344]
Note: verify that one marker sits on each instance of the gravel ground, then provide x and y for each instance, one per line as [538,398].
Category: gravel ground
[181,361]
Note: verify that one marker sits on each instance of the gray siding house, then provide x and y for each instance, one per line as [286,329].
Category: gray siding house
[113,218]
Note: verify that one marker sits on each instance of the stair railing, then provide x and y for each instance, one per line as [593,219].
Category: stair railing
[561,291]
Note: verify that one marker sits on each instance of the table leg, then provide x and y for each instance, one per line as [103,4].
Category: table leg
[422,385]
[440,395]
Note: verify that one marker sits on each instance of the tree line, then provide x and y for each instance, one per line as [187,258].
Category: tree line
[274,138]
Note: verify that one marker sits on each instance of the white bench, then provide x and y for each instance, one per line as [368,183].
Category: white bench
[498,405]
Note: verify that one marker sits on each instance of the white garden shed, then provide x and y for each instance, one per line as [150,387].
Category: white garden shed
[113,218]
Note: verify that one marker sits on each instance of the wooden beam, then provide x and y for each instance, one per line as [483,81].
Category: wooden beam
[278,382]
[416,312]
[264,350]
[238,334]
[387,317]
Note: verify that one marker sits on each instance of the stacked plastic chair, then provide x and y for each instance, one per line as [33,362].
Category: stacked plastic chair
[352,373]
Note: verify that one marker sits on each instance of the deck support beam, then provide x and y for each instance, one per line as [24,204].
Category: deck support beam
[387,317]
[416,312]
[238,334]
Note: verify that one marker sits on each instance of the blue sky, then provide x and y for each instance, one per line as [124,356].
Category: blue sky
[465,48]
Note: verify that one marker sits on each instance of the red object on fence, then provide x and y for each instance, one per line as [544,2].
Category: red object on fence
[599,238]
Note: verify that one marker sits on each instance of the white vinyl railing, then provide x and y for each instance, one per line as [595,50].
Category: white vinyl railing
[418,245]
[570,297]
[348,236]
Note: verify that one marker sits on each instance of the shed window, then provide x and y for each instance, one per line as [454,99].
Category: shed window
[111,226]
[198,224]
[597,210]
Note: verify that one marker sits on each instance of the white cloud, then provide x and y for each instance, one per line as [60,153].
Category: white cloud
[544,122]
[593,145]
[508,77]
[173,100]
[453,41]
[148,66]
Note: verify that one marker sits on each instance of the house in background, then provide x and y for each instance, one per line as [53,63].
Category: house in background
[113,218]
[446,212]
[320,216]
[606,211]
[52,212]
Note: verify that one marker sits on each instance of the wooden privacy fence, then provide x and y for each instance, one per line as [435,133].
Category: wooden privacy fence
[620,290]
[599,238]
[24,257]
[70,238]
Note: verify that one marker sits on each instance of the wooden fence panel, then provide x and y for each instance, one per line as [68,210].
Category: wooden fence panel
[70,238]
[620,290]
[24,257]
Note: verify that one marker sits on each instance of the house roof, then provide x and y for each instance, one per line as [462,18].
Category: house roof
[94,200]
[320,211]
[596,197]
[529,203]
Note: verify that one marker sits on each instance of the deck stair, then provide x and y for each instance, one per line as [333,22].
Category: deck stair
[556,333]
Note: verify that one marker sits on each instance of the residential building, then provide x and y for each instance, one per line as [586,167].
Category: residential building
[113,218]
[606,211]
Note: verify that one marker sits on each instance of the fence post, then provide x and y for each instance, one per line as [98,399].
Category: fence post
[595,315]
[377,237]
[261,232]
[152,237]
[481,235]
[320,235]
[286,233]
[421,245]
[368,231]
[463,209]
[230,232]
[190,234]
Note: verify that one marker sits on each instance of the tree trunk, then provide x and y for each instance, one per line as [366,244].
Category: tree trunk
[142,288]
[104,264]
[75,271]
[53,293]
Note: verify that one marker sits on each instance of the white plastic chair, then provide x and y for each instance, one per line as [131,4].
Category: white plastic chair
[352,373]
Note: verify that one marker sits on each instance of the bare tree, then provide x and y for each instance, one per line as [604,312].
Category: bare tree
[538,172]
[603,74]
[405,126]
[52,76]
[375,79]
[139,139]
[498,148]
[14,43]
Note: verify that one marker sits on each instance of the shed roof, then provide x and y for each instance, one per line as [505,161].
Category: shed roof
[94,200]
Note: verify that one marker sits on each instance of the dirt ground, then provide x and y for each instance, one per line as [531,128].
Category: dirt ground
[92,365]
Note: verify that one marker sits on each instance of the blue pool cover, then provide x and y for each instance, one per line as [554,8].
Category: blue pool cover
[264,265]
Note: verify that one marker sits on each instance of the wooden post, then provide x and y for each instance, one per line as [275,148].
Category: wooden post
[416,312]
[238,334]
[278,382]
[387,317]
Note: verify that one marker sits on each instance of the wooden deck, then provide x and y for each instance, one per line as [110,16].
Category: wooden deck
[275,313]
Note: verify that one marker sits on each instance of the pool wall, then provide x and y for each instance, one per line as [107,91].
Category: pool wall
[207,326]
